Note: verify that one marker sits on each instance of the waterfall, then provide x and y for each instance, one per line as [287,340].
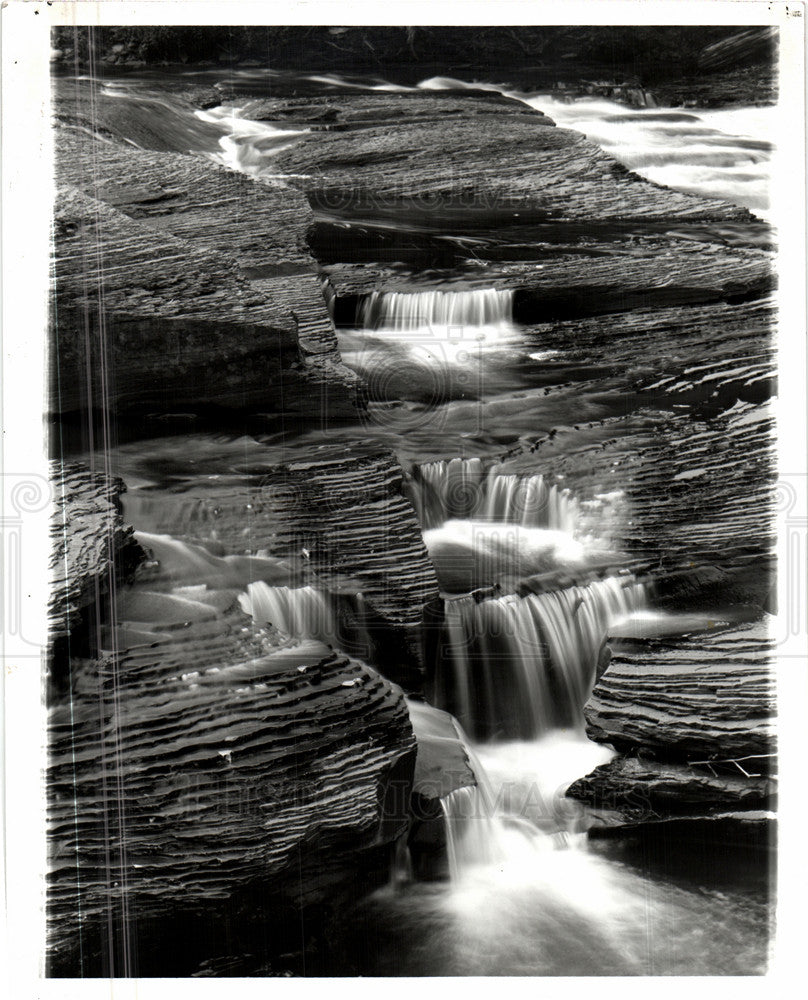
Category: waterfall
[480,307]
[480,831]
[296,612]
[516,667]
[460,488]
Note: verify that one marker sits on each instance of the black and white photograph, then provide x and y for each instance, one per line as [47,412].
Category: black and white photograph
[405,570]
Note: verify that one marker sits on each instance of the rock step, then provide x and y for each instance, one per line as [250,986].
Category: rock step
[176,775]
[690,499]
[344,516]
[707,695]
[92,548]
[202,294]
[598,278]
[516,161]
[254,225]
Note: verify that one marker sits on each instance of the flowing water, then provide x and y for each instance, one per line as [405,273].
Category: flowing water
[530,591]
[724,153]
[521,666]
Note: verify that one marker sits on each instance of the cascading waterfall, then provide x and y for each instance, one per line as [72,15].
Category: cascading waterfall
[296,612]
[479,307]
[461,488]
[516,667]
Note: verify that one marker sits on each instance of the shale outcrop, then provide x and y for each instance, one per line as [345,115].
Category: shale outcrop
[205,767]
[694,719]
[419,153]
[708,695]
[343,516]
[181,285]
[92,548]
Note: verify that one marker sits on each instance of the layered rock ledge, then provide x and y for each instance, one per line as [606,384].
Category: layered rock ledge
[181,285]
[694,719]
[92,548]
[204,768]
[342,515]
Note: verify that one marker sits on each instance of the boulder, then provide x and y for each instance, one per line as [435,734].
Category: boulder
[205,777]
[702,696]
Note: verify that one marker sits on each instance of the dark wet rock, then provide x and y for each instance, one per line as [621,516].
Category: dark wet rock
[189,305]
[442,763]
[707,357]
[690,499]
[92,548]
[159,119]
[342,113]
[209,777]
[705,696]
[743,86]
[694,717]
[482,160]
[745,830]
[344,516]
[644,790]
[645,273]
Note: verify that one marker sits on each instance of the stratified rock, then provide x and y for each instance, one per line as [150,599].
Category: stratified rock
[488,158]
[642,790]
[92,547]
[703,696]
[160,119]
[203,768]
[343,515]
[690,500]
[647,272]
[202,291]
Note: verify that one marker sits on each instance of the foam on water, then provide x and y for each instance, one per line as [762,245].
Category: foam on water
[248,146]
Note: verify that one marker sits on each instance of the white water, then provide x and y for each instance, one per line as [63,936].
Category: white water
[248,146]
[469,555]
[441,327]
[461,488]
[724,153]
[519,667]
[414,310]
[296,612]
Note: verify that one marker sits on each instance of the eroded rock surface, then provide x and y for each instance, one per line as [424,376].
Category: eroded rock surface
[92,547]
[182,285]
[204,765]
[344,515]
[419,152]
[704,695]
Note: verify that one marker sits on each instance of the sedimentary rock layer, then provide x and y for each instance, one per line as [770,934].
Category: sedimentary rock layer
[180,284]
[691,499]
[92,547]
[203,763]
[595,278]
[708,696]
[642,790]
[343,515]
[420,152]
